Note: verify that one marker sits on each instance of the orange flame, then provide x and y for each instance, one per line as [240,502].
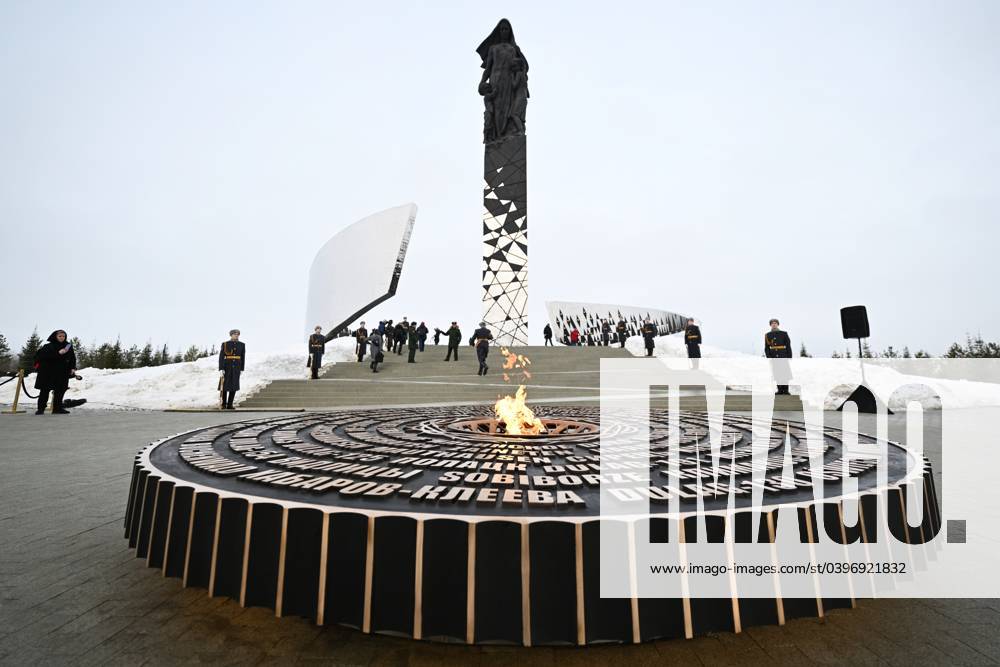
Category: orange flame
[517,416]
[512,410]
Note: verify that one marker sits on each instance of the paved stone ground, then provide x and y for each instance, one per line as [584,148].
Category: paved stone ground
[71,592]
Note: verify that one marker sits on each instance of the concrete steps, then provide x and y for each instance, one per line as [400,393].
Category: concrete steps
[558,374]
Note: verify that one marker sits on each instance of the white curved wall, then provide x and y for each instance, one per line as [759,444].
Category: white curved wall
[358,268]
[563,315]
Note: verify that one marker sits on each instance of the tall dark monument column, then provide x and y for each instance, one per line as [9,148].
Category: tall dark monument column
[504,87]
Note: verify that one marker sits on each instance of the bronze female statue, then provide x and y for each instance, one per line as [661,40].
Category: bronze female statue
[504,85]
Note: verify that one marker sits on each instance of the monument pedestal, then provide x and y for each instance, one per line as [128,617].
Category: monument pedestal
[505,240]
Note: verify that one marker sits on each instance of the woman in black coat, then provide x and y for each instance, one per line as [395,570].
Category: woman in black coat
[56,364]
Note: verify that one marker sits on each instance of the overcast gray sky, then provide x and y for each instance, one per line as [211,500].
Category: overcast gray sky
[168,170]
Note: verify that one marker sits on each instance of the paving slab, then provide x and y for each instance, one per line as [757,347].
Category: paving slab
[72,593]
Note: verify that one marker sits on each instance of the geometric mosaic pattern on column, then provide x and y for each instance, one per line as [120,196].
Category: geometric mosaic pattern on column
[505,241]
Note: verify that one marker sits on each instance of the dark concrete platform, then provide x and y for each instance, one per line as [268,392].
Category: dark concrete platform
[71,592]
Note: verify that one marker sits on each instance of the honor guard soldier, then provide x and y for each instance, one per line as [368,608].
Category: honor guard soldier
[317,346]
[482,338]
[454,335]
[605,333]
[622,330]
[361,335]
[232,361]
[692,338]
[777,345]
[648,334]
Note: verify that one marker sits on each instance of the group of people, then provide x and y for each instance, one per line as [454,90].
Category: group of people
[618,333]
[777,345]
[55,361]
[391,337]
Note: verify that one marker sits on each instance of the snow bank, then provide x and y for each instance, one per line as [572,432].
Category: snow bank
[817,377]
[184,385]
[673,346]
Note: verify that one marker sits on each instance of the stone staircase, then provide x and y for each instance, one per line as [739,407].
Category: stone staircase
[560,374]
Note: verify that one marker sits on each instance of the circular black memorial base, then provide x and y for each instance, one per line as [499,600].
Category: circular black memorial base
[432,523]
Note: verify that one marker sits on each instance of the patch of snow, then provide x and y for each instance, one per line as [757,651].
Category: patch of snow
[192,384]
[828,382]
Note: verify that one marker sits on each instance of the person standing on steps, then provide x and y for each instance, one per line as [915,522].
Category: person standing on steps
[317,346]
[361,336]
[482,338]
[56,364]
[778,345]
[547,332]
[422,332]
[232,361]
[692,339]
[400,336]
[605,333]
[648,334]
[412,342]
[375,343]
[454,335]
[622,330]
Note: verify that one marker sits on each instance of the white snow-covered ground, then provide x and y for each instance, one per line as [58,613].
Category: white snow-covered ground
[184,385]
[193,384]
[815,378]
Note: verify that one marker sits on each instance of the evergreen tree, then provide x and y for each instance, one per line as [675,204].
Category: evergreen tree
[178,358]
[116,356]
[6,358]
[835,355]
[866,351]
[906,352]
[145,357]
[955,351]
[82,355]
[803,352]
[192,353]
[130,357]
[890,353]
[103,356]
[26,360]
[922,354]
[974,348]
